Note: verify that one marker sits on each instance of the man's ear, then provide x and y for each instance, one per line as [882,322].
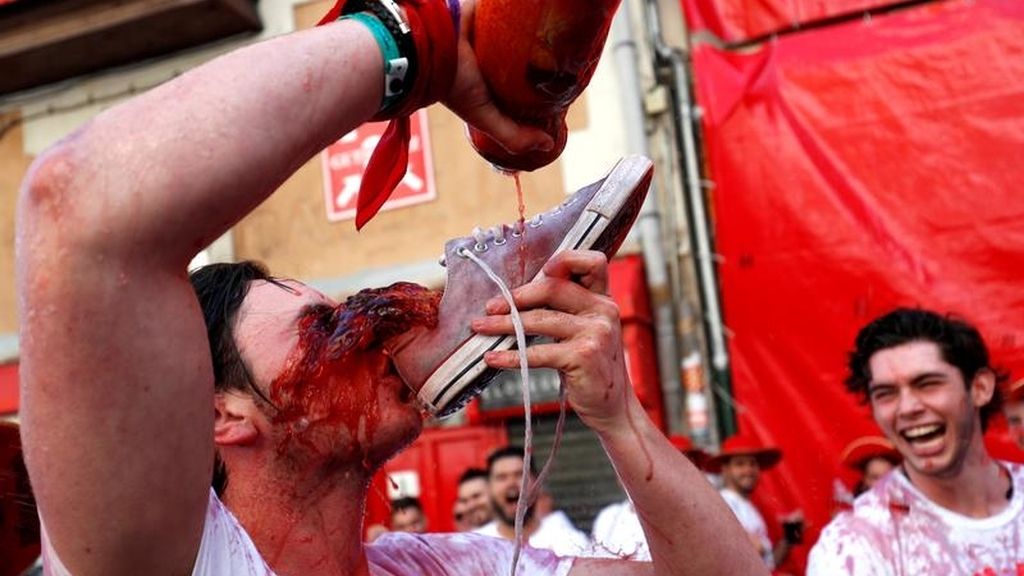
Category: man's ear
[234,423]
[983,387]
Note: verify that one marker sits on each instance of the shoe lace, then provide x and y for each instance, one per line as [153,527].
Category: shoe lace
[498,235]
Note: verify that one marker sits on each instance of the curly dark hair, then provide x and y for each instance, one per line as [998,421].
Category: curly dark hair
[959,342]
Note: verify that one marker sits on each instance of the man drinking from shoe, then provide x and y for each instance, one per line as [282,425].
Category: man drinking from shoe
[949,508]
[504,475]
[140,388]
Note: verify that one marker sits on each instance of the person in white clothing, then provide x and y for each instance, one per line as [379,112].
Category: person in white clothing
[1013,410]
[553,532]
[949,508]
[617,530]
[141,390]
[871,457]
[472,504]
[740,463]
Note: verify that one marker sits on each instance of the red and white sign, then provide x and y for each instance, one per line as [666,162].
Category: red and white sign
[345,161]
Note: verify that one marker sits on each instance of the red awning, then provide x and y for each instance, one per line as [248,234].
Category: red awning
[8,384]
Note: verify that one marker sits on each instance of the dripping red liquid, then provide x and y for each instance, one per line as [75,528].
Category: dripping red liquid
[338,380]
[521,223]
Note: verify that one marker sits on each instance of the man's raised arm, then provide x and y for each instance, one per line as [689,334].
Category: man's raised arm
[688,526]
[116,376]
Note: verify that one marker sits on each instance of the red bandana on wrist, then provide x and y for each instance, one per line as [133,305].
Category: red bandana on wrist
[434,25]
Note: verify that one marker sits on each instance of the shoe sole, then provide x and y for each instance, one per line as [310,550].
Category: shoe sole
[459,378]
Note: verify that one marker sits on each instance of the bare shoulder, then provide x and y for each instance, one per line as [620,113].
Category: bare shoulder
[116,419]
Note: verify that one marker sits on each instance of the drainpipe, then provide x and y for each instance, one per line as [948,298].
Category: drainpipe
[624,50]
[685,117]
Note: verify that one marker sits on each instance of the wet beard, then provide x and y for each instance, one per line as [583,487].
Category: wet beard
[510,519]
[330,387]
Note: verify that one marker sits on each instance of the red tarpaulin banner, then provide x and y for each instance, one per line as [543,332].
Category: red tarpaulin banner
[857,168]
[739,20]
[8,388]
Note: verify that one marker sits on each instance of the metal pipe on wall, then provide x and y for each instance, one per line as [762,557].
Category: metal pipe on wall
[624,49]
[698,222]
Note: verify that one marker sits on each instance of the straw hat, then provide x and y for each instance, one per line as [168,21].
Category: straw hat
[860,451]
[1014,390]
[685,445]
[740,445]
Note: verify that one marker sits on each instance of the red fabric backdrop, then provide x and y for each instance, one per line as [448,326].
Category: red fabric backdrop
[860,167]
[738,20]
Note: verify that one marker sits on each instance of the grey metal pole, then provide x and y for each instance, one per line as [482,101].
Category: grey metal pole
[698,211]
[624,49]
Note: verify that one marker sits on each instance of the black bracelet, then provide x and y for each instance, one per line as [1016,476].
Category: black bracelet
[388,12]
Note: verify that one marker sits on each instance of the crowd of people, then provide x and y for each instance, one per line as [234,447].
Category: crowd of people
[927,492]
[229,422]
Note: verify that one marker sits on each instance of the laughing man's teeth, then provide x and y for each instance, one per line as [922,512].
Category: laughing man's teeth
[919,431]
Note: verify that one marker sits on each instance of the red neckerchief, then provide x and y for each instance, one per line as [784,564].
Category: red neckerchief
[434,25]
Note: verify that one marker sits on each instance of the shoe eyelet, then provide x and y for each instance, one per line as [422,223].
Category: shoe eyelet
[464,252]
[516,233]
[500,241]
[480,247]
[536,222]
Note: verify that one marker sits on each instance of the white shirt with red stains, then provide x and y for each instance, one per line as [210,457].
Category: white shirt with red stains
[751,520]
[895,530]
[227,550]
[555,533]
[618,532]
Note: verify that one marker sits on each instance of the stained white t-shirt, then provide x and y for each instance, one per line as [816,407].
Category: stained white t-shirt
[555,533]
[894,529]
[751,520]
[227,550]
[618,532]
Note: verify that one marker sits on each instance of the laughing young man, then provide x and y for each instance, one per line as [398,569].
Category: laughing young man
[950,508]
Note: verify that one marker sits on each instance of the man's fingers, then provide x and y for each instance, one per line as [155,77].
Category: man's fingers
[587,267]
[540,322]
[513,137]
[556,294]
[537,356]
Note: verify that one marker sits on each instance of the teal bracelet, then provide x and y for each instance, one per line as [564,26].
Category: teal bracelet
[395,65]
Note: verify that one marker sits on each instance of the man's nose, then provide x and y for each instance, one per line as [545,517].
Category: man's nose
[909,404]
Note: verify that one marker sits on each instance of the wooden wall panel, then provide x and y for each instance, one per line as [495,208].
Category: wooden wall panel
[13,165]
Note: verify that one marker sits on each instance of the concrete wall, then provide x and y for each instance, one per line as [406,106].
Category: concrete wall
[290,232]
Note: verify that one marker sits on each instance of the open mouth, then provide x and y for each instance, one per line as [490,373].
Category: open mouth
[924,434]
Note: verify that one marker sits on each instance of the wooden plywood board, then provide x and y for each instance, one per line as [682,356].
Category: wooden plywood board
[13,166]
[43,42]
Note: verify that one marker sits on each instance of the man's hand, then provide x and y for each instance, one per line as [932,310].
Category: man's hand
[471,99]
[570,306]
[688,527]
